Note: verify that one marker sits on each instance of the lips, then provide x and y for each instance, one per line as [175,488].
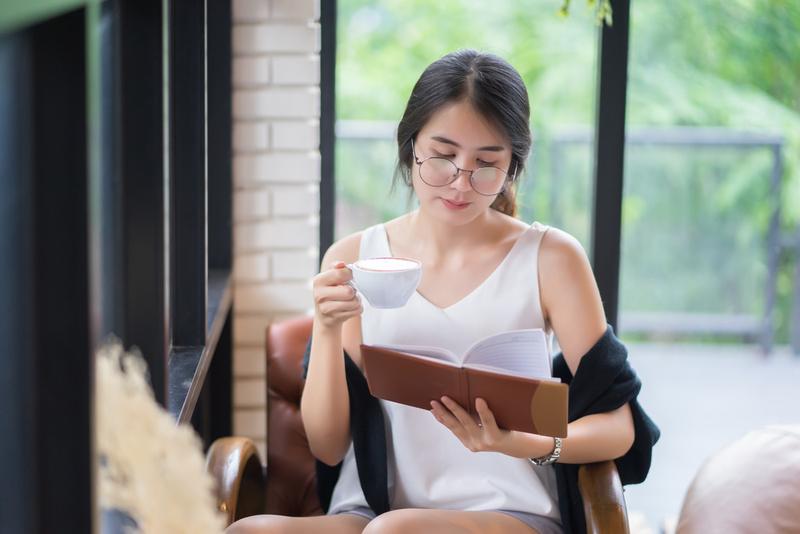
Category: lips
[455,205]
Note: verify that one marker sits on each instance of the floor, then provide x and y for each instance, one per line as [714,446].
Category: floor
[702,397]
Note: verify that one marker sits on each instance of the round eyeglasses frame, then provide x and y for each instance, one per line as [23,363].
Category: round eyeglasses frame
[459,170]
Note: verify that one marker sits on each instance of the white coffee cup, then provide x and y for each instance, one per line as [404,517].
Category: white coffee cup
[386,282]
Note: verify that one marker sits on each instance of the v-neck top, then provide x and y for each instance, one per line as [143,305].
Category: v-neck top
[428,467]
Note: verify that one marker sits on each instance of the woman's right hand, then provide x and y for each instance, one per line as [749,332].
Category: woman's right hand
[334,300]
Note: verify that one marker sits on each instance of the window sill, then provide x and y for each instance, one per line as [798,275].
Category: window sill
[188,366]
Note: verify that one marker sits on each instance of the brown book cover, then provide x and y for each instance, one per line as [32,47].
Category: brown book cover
[523,403]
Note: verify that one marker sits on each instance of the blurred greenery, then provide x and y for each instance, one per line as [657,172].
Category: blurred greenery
[694,219]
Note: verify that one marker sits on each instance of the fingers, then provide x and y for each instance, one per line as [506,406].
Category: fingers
[486,416]
[461,414]
[335,300]
[340,293]
[446,417]
[483,436]
[337,274]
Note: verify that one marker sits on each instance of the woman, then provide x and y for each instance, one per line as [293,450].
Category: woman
[463,141]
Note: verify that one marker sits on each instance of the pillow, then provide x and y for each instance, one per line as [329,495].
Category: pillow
[751,485]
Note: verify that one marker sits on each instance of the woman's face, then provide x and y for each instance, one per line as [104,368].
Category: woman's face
[459,133]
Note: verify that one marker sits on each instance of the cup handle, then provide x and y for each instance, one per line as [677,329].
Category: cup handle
[351,282]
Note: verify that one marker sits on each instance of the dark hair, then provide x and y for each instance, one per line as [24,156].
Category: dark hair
[492,86]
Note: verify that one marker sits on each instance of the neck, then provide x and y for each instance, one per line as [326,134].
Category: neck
[439,239]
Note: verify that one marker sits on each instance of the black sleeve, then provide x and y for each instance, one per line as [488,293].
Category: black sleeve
[369,442]
[307,358]
[604,381]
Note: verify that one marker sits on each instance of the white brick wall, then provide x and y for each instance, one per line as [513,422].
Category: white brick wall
[250,136]
[296,70]
[276,105]
[276,166]
[271,103]
[251,71]
[296,135]
[289,37]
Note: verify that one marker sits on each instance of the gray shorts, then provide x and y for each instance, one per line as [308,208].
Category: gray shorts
[540,523]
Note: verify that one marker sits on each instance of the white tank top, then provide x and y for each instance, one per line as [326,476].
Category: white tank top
[428,467]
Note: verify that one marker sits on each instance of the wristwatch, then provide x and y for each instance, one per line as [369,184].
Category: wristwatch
[550,458]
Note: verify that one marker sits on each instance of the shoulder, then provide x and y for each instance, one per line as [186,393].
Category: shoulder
[345,249]
[561,253]
[509,228]
[570,298]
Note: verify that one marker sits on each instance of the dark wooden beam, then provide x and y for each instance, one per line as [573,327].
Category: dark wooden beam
[327,125]
[610,157]
[188,172]
[140,149]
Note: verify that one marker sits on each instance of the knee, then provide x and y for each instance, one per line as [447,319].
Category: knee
[259,524]
[392,522]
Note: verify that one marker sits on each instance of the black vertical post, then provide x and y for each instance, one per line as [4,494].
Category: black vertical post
[46,367]
[219,385]
[327,126]
[218,397]
[188,171]
[609,157]
[140,149]
[19,469]
[61,328]
[105,197]
[220,149]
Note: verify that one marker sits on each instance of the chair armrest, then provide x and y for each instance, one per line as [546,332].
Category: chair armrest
[240,477]
[603,501]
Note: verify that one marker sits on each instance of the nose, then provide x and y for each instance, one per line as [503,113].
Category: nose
[462,182]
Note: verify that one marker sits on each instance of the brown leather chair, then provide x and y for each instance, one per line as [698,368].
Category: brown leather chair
[750,486]
[288,485]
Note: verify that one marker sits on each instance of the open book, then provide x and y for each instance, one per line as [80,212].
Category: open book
[511,371]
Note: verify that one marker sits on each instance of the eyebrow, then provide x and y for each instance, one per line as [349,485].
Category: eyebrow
[494,148]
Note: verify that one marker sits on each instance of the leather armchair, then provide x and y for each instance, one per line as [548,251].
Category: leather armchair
[288,487]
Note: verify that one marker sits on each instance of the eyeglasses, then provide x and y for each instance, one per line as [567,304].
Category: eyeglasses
[439,172]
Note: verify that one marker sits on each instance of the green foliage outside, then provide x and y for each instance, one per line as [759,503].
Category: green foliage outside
[694,220]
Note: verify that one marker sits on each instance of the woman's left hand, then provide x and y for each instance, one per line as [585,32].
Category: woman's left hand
[476,436]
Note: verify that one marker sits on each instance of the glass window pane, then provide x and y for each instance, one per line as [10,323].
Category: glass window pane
[712,154]
[384,46]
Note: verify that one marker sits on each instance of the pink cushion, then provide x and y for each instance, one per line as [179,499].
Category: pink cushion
[751,485]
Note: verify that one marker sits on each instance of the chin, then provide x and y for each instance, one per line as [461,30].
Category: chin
[438,210]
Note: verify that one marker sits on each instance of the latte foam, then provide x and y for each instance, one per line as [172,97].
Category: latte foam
[387,264]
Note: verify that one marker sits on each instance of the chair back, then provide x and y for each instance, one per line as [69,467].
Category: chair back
[291,478]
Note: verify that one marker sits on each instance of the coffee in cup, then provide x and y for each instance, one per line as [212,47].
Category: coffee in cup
[386,282]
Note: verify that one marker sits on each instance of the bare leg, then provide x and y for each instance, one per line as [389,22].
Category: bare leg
[446,522]
[278,524]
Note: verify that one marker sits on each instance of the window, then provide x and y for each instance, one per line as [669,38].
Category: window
[115,216]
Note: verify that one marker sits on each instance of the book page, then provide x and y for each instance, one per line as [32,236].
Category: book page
[436,353]
[498,370]
[522,352]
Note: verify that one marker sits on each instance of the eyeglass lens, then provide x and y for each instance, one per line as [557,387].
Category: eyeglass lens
[441,171]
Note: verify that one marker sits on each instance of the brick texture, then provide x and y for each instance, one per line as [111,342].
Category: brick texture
[276,105]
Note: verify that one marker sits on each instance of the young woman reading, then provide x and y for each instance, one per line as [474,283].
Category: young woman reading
[463,142]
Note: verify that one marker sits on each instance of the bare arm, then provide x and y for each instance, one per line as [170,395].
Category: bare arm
[325,404]
[573,307]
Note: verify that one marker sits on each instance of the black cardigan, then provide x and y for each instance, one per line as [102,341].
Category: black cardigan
[603,382]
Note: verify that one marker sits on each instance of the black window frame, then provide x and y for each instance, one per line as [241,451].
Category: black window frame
[609,148]
[116,220]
